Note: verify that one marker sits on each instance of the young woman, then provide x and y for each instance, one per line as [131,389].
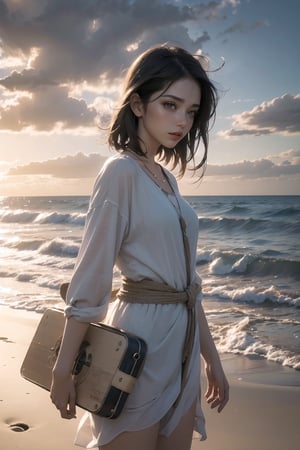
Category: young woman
[138,221]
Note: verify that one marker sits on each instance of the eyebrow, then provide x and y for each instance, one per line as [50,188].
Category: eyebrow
[181,100]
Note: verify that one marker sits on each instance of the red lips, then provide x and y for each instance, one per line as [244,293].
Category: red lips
[177,135]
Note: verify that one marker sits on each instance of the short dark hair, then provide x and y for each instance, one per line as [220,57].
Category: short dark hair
[155,70]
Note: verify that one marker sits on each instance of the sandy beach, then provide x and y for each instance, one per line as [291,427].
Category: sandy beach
[263,413]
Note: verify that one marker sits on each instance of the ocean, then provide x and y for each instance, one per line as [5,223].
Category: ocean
[248,257]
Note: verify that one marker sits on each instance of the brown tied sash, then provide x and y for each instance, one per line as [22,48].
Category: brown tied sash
[153,292]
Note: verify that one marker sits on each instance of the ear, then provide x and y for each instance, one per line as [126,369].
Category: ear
[136,105]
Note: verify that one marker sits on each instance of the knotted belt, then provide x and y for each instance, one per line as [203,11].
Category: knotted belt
[149,291]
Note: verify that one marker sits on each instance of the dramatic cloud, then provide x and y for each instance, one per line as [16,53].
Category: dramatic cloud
[46,109]
[78,166]
[286,163]
[279,115]
[78,41]
[61,44]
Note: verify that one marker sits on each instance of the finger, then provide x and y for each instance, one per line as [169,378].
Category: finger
[210,399]
[72,405]
[224,400]
[211,394]
[215,403]
[209,391]
[208,394]
[66,413]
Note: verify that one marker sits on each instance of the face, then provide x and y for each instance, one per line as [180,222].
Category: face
[169,115]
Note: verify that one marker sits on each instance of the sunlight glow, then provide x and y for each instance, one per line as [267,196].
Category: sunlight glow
[10,61]
[34,53]
[132,47]
[94,25]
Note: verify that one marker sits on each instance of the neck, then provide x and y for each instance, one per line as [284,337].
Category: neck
[150,155]
[148,159]
[154,170]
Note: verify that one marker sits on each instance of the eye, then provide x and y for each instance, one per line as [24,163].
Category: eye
[169,105]
[192,114]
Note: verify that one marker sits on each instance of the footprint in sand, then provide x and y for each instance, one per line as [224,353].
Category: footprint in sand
[5,339]
[19,427]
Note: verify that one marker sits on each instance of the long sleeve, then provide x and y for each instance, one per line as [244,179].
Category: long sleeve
[107,219]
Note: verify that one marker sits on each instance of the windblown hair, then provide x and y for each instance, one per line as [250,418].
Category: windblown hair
[154,71]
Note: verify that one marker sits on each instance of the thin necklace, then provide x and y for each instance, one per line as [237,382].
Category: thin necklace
[177,207]
[161,178]
[156,178]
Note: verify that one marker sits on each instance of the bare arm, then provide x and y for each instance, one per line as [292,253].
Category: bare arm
[62,388]
[217,393]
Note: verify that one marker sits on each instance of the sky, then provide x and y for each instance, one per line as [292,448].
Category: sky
[62,63]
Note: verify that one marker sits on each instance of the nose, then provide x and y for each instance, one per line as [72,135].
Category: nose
[181,119]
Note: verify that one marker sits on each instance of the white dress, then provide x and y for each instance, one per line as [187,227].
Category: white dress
[133,224]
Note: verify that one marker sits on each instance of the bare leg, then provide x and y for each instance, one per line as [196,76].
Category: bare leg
[181,438]
[134,440]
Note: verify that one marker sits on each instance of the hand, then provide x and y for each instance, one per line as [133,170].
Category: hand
[217,394]
[63,395]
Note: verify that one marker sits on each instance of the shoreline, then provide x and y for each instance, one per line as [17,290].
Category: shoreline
[263,413]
